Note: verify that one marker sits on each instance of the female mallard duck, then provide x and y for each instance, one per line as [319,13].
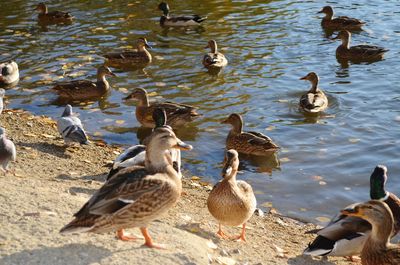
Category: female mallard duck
[9,73]
[177,114]
[85,89]
[345,235]
[171,21]
[252,143]
[135,196]
[377,249]
[140,56]
[54,16]
[214,59]
[315,100]
[231,202]
[135,155]
[357,53]
[339,23]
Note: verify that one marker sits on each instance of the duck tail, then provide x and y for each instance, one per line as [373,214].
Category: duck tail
[321,246]
[199,19]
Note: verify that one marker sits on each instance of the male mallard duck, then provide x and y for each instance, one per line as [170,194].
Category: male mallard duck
[167,20]
[85,89]
[315,100]
[136,195]
[377,249]
[140,56]
[231,202]
[8,73]
[339,23]
[345,235]
[214,59]
[357,53]
[135,155]
[7,150]
[54,16]
[70,127]
[177,114]
[252,143]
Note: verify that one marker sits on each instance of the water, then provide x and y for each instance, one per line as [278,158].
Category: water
[269,45]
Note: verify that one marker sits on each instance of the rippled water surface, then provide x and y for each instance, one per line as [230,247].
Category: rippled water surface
[325,162]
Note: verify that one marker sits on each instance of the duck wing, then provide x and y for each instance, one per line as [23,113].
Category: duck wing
[75,85]
[133,156]
[367,50]
[347,21]
[257,140]
[123,55]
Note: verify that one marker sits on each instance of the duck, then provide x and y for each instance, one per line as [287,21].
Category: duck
[53,16]
[314,100]
[177,114]
[136,154]
[345,235]
[214,59]
[232,202]
[377,248]
[139,56]
[85,89]
[339,23]
[136,195]
[172,21]
[251,143]
[359,53]
[70,127]
[9,73]
[8,152]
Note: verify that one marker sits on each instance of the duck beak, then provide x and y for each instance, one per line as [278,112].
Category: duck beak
[303,78]
[130,96]
[335,38]
[112,74]
[224,121]
[319,12]
[183,146]
[208,46]
[147,46]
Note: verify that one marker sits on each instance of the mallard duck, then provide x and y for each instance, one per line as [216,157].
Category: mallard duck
[85,89]
[231,202]
[315,100]
[136,195]
[339,23]
[214,59]
[177,114]
[252,143]
[139,56]
[345,235]
[167,20]
[135,155]
[9,73]
[357,53]
[8,152]
[54,16]
[70,127]
[377,249]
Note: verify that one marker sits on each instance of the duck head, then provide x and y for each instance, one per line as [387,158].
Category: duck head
[42,8]
[212,44]
[139,94]
[163,6]
[142,42]
[104,71]
[328,11]
[313,78]
[377,183]
[236,121]
[231,164]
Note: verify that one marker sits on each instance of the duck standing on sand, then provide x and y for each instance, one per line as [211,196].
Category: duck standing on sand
[53,16]
[178,21]
[214,59]
[9,73]
[339,23]
[7,150]
[130,58]
[232,202]
[136,195]
[315,100]
[70,127]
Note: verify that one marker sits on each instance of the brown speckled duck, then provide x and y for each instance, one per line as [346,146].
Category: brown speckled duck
[251,143]
[377,249]
[85,89]
[214,59]
[139,56]
[357,53]
[315,100]
[136,195]
[339,23]
[177,114]
[231,202]
[53,16]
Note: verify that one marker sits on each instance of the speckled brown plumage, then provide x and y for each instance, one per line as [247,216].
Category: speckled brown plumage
[339,23]
[130,57]
[53,16]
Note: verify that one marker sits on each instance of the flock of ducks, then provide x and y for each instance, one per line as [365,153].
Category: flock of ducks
[145,180]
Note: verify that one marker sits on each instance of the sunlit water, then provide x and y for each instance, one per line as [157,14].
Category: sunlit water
[325,163]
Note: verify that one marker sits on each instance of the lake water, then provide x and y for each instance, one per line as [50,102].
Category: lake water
[325,162]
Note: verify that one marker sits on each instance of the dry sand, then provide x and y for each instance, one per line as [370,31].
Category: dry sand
[50,182]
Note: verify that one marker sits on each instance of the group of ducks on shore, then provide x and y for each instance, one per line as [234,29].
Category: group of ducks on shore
[145,180]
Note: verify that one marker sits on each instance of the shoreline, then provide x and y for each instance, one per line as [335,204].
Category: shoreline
[49,182]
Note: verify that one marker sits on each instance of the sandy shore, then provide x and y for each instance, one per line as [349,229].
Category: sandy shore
[50,182]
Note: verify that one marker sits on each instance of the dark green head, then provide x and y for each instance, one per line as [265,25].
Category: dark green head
[159,117]
[164,7]
[377,183]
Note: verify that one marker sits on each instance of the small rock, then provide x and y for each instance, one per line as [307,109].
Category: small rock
[224,253]
[225,261]
[236,251]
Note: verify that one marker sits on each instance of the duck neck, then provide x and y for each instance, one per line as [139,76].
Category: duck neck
[43,10]
[214,47]
[377,191]
[101,79]
[141,48]
[328,16]
[237,127]
[314,86]
[380,234]
[157,161]
[346,42]
[143,101]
